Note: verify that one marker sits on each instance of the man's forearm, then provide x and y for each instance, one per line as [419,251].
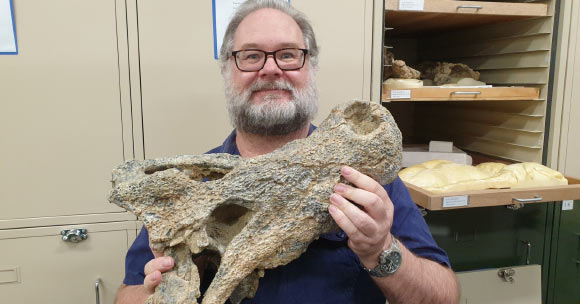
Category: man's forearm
[131,294]
[419,280]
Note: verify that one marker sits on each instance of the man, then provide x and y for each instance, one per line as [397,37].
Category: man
[268,60]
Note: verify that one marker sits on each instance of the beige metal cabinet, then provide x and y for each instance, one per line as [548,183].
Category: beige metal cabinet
[181,89]
[513,285]
[61,128]
[64,125]
[564,139]
[37,266]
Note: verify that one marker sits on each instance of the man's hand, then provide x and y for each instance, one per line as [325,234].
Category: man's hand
[364,213]
[153,269]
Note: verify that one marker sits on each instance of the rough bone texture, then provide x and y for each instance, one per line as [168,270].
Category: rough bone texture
[254,213]
[444,72]
[398,68]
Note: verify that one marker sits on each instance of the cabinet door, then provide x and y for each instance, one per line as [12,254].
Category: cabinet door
[37,266]
[484,287]
[566,280]
[60,117]
[184,110]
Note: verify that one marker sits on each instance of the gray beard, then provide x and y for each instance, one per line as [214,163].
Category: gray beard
[270,117]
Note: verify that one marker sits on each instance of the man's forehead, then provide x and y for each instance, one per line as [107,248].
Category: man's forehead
[281,45]
[268,28]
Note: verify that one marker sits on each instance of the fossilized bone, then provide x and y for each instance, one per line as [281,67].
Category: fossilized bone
[254,213]
[398,68]
[444,72]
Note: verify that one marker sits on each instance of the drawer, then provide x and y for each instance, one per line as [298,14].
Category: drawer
[460,94]
[487,287]
[494,197]
[37,266]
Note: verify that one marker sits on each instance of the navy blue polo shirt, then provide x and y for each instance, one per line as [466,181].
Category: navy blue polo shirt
[328,272]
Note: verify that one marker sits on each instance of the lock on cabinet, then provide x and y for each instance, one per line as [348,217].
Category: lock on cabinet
[38,265]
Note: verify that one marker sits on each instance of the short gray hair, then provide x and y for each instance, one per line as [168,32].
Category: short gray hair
[251,6]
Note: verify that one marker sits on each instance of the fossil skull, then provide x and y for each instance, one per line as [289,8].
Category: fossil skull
[247,215]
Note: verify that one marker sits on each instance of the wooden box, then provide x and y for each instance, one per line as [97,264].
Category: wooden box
[494,197]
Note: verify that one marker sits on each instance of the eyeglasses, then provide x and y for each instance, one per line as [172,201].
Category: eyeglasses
[288,59]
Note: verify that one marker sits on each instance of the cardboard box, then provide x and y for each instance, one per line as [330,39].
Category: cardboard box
[416,154]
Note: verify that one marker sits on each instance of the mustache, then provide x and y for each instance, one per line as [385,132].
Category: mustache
[271,85]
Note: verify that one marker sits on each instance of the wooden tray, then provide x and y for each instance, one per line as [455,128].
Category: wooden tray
[494,197]
[467,94]
[449,15]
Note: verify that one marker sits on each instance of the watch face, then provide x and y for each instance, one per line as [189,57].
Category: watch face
[389,262]
[393,262]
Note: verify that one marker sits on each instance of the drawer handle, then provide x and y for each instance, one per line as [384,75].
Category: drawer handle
[74,235]
[97,293]
[465,93]
[506,274]
[528,250]
[477,7]
[528,200]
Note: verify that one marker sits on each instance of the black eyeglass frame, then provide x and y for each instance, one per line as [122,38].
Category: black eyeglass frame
[273,53]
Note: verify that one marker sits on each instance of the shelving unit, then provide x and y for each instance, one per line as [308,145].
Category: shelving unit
[509,44]
[512,46]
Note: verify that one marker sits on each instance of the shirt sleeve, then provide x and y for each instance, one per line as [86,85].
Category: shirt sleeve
[137,256]
[410,227]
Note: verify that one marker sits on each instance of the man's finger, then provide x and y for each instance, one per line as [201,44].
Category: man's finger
[371,202]
[343,221]
[355,220]
[364,182]
[161,264]
[151,281]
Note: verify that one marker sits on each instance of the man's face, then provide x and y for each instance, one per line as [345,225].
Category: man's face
[270,101]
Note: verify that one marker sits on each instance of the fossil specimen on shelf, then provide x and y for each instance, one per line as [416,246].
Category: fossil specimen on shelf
[444,72]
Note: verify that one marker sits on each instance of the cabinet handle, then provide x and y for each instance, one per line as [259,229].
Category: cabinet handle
[74,235]
[528,250]
[97,293]
[578,261]
[477,7]
[465,93]
[528,200]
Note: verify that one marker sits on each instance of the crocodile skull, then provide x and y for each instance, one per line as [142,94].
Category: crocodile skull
[247,215]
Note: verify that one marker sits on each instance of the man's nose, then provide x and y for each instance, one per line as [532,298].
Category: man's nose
[270,67]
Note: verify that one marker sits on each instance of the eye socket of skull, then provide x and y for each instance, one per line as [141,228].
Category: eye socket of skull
[226,221]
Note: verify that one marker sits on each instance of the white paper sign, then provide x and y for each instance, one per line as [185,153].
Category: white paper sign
[567,205]
[455,201]
[222,14]
[7,32]
[411,5]
[400,94]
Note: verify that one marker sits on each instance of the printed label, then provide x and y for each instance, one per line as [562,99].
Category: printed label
[400,94]
[455,201]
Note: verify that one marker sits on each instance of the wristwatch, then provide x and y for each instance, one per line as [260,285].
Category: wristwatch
[389,261]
